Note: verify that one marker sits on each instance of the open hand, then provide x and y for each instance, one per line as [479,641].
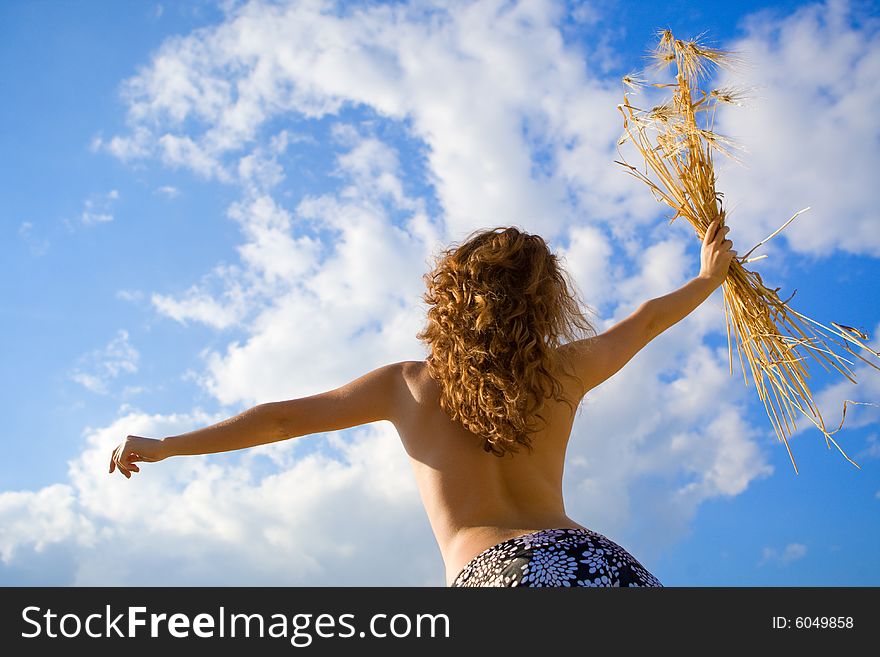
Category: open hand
[136,449]
[716,255]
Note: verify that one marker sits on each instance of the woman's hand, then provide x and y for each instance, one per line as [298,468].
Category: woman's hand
[716,255]
[134,449]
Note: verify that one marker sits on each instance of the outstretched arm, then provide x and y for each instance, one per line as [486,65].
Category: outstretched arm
[369,398]
[715,257]
[597,358]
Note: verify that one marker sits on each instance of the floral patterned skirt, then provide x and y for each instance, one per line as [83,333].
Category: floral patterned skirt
[555,557]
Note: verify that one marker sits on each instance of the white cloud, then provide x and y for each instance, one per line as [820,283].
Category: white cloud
[130,295]
[89,218]
[791,552]
[37,247]
[169,191]
[363,295]
[179,151]
[90,381]
[503,69]
[588,259]
[811,133]
[664,266]
[198,305]
[872,451]
[370,256]
[128,148]
[260,173]
[191,520]
[270,251]
[97,209]
[33,520]
[98,368]
[831,401]
[130,391]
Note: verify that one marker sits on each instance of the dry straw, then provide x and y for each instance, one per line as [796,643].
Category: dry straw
[677,141]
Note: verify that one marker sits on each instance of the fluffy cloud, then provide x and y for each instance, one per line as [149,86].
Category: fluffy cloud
[98,208]
[37,247]
[841,402]
[33,520]
[168,191]
[587,257]
[198,303]
[96,369]
[791,552]
[811,133]
[487,87]
[190,520]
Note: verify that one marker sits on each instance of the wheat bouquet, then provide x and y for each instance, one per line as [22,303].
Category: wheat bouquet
[677,141]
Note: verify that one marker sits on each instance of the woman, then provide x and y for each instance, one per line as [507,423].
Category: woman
[486,417]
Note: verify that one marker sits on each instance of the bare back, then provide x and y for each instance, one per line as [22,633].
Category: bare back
[475,499]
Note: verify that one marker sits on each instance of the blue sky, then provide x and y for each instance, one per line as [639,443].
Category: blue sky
[211,205]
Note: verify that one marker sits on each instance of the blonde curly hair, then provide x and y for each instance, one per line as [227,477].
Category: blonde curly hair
[499,303]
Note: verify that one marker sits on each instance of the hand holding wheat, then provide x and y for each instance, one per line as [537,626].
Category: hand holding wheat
[677,140]
[716,252]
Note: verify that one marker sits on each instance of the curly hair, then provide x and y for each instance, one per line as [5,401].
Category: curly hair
[499,303]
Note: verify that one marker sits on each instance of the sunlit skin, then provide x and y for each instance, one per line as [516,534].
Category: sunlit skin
[473,499]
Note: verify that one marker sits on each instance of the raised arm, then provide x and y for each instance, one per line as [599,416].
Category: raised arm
[372,397]
[598,358]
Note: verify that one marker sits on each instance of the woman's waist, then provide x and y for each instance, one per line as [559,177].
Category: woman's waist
[503,529]
[471,540]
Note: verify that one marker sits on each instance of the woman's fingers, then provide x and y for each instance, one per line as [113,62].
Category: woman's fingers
[117,463]
[124,458]
[711,231]
[714,233]
[126,464]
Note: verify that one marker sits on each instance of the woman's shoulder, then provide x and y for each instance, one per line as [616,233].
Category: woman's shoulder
[413,371]
[414,367]
[418,380]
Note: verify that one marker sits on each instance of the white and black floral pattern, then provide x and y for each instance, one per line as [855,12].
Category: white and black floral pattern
[556,557]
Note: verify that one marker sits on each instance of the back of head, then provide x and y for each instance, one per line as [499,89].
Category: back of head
[499,305]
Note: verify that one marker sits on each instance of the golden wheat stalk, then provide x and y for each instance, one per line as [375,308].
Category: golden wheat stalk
[678,149]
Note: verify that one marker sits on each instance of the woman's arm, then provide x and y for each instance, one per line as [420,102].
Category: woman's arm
[599,357]
[715,257]
[671,308]
[255,426]
[372,397]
